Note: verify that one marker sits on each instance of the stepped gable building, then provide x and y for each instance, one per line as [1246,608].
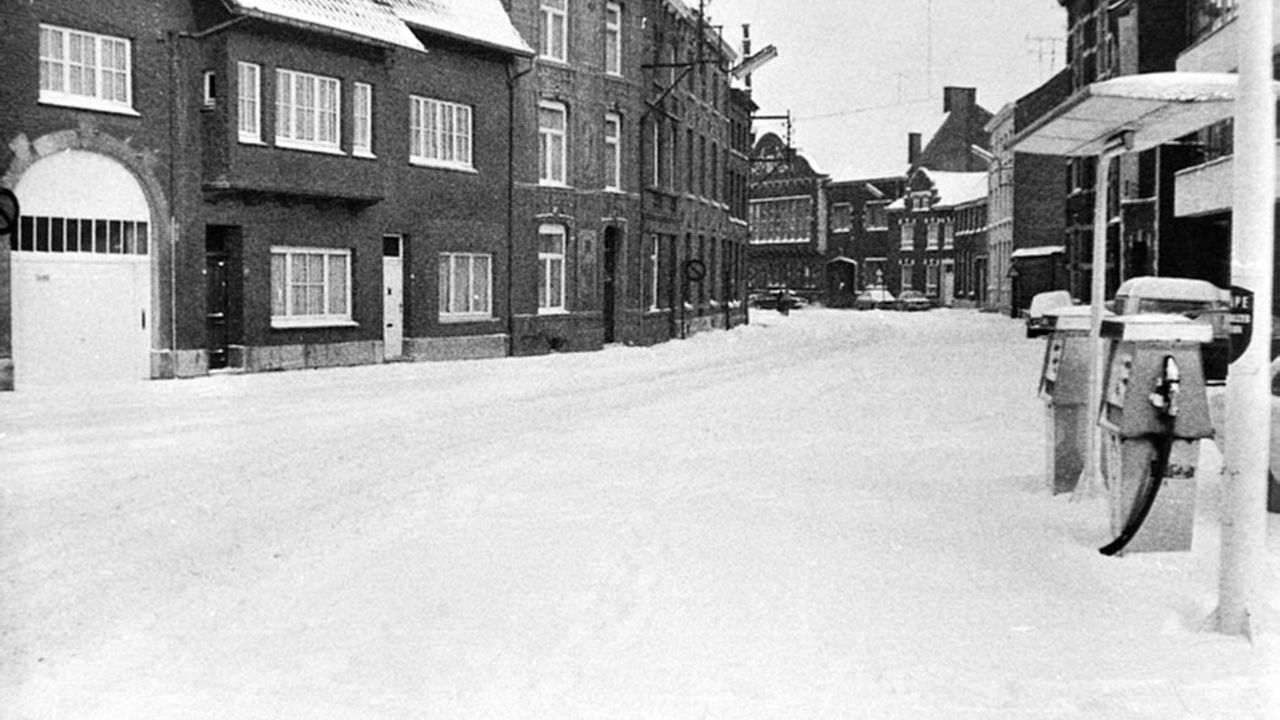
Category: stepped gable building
[254,184]
[927,222]
[788,218]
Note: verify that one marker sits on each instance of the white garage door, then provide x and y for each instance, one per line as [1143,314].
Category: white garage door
[81,279]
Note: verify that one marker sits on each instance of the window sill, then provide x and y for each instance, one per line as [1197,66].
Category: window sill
[245,140]
[364,154]
[554,184]
[433,165]
[93,105]
[305,147]
[552,311]
[296,323]
[466,319]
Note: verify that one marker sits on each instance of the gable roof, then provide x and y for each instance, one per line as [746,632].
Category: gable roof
[363,19]
[951,188]
[484,22]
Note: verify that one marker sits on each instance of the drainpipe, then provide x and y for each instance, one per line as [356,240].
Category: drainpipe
[512,79]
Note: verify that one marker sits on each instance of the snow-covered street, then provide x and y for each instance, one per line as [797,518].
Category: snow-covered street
[829,515]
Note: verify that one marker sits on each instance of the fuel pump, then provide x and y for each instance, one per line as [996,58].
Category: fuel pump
[1154,414]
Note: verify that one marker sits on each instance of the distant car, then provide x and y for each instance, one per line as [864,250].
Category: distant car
[912,300]
[1199,300]
[1039,320]
[874,299]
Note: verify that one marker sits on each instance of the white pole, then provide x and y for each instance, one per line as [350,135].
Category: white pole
[1248,421]
[1091,475]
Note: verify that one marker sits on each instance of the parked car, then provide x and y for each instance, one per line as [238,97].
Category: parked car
[1039,320]
[912,300]
[1197,299]
[874,299]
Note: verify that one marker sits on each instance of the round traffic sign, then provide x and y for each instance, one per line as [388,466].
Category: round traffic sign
[8,211]
[695,270]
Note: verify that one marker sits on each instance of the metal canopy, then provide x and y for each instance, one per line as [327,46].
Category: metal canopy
[1155,107]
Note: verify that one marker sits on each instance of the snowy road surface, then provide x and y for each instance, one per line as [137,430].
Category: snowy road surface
[829,515]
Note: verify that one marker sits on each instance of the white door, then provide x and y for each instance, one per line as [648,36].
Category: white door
[948,284]
[392,297]
[81,275]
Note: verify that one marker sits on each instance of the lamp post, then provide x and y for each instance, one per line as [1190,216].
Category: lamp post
[1248,421]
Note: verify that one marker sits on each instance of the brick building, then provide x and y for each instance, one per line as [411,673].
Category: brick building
[1109,39]
[858,247]
[259,173]
[788,209]
[1027,206]
[695,137]
[925,253]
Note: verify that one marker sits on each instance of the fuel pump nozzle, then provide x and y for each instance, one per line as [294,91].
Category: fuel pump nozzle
[1165,396]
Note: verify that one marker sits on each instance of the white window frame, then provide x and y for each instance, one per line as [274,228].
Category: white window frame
[613,39]
[362,120]
[933,236]
[551,298]
[948,236]
[553,146]
[284,299]
[210,88]
[554,43]
[613,151]
[440,134]
[304,120]
[249,102]
[907,237]
[456,268]
[100,66]
[906,277]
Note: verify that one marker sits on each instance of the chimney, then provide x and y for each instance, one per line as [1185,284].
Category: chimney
[913,148]
[958,98]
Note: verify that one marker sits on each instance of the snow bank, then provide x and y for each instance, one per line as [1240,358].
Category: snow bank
[828,515]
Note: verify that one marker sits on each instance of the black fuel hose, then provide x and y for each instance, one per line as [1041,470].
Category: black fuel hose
[1159,468]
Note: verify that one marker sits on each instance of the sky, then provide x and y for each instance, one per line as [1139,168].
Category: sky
[858,75]
[833,515]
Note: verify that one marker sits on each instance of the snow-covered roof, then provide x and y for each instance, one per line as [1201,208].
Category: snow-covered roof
[1042,251]
[952,188]
[957,188]
[1172,288]
[480,21]
[367,19]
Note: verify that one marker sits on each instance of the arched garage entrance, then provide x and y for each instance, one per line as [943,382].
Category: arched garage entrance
[81,273]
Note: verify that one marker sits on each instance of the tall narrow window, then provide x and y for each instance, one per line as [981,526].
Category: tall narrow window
[552,136]
[307,116]
[440,133]
[555,30]
[248,105]
[362,120]
[551,248]
[613,39]
[85,70]
[655,246]
[613,151]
